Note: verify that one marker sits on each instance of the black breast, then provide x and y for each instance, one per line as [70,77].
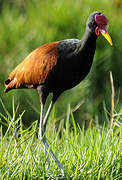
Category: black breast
[73,64]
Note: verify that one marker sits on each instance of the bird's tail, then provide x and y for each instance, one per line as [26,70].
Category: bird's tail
[9,84]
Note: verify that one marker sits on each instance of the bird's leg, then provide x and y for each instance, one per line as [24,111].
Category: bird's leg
[45,140]
[53,155]
[47,115]
[43,122]
[41,127]
[41,130]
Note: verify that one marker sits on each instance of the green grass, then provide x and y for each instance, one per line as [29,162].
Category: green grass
[94,153]
[25,25]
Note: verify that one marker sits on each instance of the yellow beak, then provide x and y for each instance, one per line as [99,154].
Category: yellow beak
[107,36]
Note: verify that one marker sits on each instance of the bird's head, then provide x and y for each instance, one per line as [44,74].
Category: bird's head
[97,22]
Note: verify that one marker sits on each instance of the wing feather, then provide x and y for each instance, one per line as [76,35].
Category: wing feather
[35,67]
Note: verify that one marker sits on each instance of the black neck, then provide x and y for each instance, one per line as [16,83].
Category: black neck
[89,39]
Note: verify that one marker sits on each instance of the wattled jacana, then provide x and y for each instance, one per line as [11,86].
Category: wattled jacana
[58,66]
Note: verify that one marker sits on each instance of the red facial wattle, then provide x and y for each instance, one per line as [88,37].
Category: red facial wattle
[102,21]
[100,29]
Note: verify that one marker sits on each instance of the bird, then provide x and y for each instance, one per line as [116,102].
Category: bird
[58,66]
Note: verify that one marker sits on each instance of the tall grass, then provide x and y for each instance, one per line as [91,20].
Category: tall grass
[25,25]
[94,153]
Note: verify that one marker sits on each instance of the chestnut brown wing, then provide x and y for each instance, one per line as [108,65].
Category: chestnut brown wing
[35,67]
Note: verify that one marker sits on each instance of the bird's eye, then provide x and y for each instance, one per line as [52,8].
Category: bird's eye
[94,23]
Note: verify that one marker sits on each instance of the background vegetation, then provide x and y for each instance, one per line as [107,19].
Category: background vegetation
[27,24]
